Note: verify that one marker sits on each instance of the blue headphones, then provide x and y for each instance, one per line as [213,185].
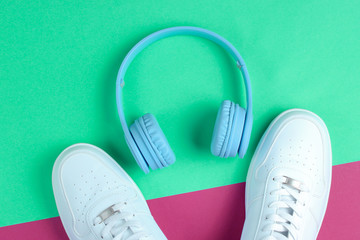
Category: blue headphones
[145,138]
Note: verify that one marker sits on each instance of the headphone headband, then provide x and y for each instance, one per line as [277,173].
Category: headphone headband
[222,42]
[194,31]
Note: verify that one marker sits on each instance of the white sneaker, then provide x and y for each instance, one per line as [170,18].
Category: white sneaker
[288,182]
[96,199]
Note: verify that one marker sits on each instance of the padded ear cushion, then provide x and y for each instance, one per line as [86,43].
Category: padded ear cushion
[236,133]
[152,142]
[221,130]
[158,140]
[228,130]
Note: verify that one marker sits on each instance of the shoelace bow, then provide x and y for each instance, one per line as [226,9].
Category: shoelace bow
[285,223]
[120,225]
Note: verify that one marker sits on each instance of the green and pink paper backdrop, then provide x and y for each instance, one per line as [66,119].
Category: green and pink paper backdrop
[58,63]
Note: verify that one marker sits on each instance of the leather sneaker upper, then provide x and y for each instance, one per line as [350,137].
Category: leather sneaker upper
[96,199]
[288,182]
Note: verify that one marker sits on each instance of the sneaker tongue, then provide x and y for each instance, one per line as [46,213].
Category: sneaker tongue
[108,200]
[289,211]
[124,233]
[295,185]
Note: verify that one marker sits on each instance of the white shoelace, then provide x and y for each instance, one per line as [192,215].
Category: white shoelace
[120,224]
[285,223]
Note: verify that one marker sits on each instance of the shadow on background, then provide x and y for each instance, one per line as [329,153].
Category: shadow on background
[202,128]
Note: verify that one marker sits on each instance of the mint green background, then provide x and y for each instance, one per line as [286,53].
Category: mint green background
[59,61]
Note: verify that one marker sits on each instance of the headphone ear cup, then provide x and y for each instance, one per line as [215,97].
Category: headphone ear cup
[152,142]
[228,130]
